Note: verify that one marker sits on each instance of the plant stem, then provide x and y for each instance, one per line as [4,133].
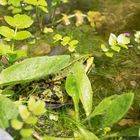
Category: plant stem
[76,108]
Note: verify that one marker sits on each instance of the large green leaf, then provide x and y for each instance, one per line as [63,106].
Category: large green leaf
[8,111]
[19,21]
[84,87]
[33,68]
[102,107]
[117,109]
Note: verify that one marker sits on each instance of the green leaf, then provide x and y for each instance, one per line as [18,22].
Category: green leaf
[42,2]
[31,120]
[109,54]
[102,107]
[73,42]
[3,2]
[19,21]
[26,132]
[122,39]
[57,138]
[71,48]
[87,135]
[44,9]
[39,108]
[16,10]
[123,45]
[112,40]
[116,48]
[36,2]
[28,8]
[33,68]
[5,49]
[8,111]
[57,37]
[16,124]
[7,32]
[23,111]
[84,87]
[65,40]
[72,90]
[21,35]
[20,54]
[104,48]
[15,3]
[117,109]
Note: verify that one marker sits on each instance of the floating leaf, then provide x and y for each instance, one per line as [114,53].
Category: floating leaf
[112,40]
[8,111]
[122,39]
[26,132]
[19,21]
[33,68]
[117,109]
[16,124]
[84,87]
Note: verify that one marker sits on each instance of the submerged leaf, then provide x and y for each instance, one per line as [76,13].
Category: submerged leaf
[33,68]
